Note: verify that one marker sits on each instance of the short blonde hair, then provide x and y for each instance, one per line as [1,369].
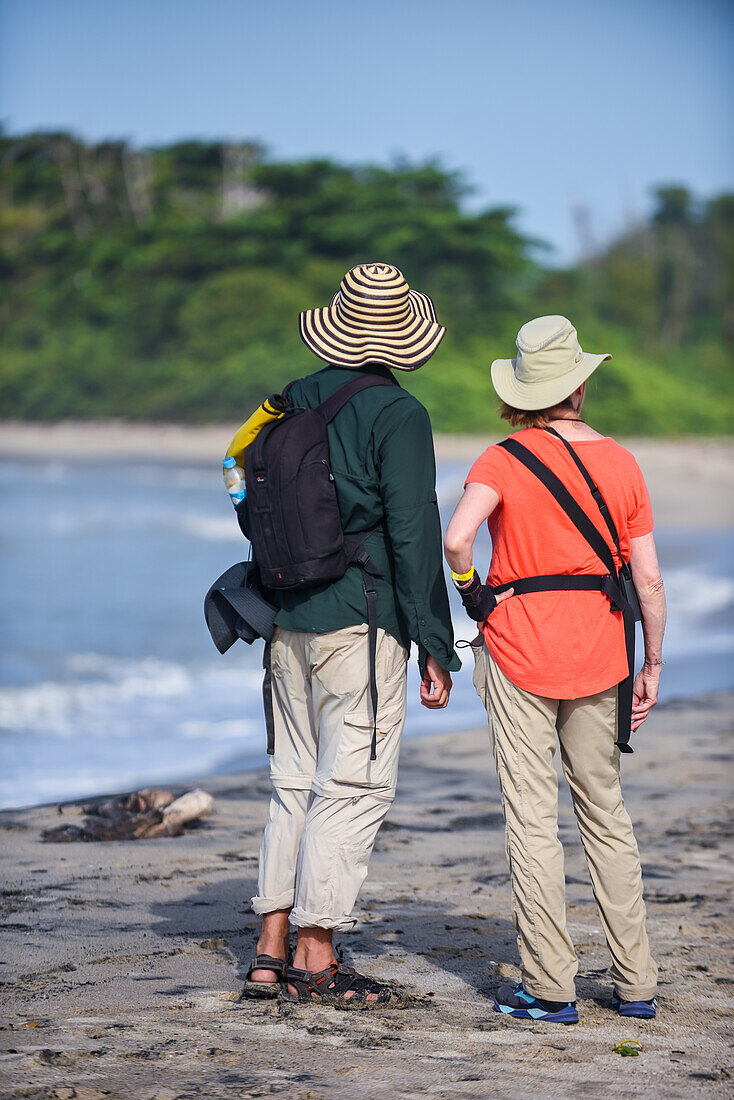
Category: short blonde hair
[531,418]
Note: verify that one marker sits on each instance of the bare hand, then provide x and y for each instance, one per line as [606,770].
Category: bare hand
[644,693]
[435,686]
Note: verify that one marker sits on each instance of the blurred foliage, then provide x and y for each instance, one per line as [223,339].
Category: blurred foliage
[165,284]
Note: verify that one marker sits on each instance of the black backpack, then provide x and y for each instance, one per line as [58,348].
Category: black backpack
[291,512]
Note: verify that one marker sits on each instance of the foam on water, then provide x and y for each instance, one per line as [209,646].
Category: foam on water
[694,594]
[211,528]
[100,695]
[108,678]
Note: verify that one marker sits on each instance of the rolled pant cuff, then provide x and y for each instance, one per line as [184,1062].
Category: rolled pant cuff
[297,782]
[261,906]
[330,788]
[301,918]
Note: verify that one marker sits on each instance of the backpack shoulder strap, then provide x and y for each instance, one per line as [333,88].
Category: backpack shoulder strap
[338,400]
[558,490]
[593,489]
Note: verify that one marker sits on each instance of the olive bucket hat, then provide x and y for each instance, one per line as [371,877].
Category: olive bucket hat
[374,317]
[549,365]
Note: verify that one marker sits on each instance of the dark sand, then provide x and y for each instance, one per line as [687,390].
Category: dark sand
[123,961]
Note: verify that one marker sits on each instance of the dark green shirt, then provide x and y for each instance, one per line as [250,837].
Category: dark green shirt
[381,450]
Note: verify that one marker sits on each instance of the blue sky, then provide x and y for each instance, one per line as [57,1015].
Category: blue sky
[544,105]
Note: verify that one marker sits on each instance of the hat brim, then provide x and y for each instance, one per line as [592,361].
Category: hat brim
[542,394]
[406,345]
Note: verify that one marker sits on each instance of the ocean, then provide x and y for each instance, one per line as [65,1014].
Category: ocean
[108,677]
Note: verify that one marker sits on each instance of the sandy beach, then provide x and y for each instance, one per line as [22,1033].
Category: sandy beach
[691,480]
[123,962]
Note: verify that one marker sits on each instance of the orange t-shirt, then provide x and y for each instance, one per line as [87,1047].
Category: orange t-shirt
[562,645]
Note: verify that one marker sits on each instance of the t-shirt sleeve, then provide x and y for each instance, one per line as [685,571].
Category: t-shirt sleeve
[489,469]
[639,517]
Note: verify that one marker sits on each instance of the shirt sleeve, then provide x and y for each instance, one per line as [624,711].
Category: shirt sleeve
[407,470]
[487,470]
[639,518]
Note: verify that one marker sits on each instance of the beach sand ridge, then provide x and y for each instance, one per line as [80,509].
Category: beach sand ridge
[123,962]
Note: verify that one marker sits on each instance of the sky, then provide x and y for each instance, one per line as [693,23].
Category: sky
[549,107]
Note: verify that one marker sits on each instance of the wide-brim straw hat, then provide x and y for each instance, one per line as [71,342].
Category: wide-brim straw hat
[374,317]
[549,366]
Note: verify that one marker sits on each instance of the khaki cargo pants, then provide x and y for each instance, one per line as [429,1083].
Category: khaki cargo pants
[329,799]
[524,729]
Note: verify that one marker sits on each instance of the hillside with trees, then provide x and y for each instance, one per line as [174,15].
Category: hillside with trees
[165,284]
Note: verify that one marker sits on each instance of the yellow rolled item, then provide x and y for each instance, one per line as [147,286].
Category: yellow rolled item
[462,578]
[244,436]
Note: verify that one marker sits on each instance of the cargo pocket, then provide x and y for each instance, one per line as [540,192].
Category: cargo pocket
[339,659]
[352,765]
[479,678]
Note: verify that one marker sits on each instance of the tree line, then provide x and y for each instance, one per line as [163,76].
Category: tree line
[165,284]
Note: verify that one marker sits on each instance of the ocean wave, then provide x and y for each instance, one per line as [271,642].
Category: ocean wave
[213,528]
[57,708]
[182,477]
[108,518]
[694,594]
[59,782]
[119,697]
[230,729]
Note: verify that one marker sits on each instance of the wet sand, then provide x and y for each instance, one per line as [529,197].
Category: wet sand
[691,480]
[123,962]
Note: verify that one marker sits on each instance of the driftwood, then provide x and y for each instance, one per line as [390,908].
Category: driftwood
[142,815]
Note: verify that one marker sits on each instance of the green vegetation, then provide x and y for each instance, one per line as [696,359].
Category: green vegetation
[165,284]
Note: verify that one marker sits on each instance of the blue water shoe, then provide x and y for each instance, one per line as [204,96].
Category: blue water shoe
[643,1010]
[516,1002]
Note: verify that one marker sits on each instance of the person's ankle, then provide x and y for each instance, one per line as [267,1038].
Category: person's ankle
[275,946]
[313,956]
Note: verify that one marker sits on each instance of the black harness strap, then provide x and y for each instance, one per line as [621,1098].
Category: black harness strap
[370,592]
[334,404]
[625,687]
[566,582]
[609,584]
[626,582]
[630,604]
[357,554]
[575,513]
[593,489]
[268,700]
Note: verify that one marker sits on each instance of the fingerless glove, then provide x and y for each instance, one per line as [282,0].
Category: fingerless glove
[478,599]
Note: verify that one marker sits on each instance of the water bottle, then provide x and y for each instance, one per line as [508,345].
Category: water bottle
[234,480]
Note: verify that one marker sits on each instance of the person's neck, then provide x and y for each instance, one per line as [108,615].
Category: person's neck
[571,426]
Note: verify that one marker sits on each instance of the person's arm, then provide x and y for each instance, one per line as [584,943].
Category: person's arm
[651,594]
[408,489]
[474,508]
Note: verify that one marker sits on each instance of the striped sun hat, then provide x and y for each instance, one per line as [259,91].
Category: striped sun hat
[374,317]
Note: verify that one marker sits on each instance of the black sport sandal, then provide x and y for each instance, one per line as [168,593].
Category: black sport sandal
[330,986]
[262,990]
